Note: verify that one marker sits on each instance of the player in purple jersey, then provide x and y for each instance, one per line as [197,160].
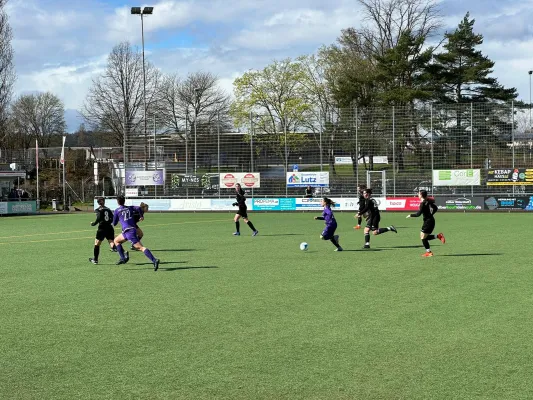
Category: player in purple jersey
[331,223]
[137,218]
[124,214]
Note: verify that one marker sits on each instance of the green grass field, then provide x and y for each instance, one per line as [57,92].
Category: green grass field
[255,318]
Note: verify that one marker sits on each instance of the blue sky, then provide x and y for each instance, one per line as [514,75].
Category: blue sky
[62,45]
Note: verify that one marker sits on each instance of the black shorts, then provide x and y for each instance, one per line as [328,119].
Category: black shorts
[243,212]
[105,233]
[373,222]
[428,226]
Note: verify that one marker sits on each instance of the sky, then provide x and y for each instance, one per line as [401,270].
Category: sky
[61,45]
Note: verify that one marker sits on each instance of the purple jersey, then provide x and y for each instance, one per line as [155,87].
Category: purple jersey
[125,214]
[327,214]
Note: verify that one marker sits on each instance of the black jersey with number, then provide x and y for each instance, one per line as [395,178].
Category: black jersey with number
[104,217]
[370,207]
[427,209]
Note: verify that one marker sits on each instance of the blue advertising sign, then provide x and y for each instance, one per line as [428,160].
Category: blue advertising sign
[279,204]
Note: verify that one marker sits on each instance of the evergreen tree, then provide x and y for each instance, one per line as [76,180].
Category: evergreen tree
[404,82]
[462,80]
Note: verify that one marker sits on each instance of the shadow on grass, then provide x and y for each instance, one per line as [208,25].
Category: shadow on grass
[160,263]
[173,250]
[191,267]
[163,268]
[364,250]
[403,247]
[284,234]
[471,254]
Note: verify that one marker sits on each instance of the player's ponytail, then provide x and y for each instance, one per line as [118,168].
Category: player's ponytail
[329,202]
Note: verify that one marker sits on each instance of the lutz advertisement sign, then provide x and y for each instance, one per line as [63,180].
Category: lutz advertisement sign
[304,179]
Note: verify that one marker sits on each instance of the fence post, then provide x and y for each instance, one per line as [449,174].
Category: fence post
[218,150]
[286,155]
[155,162]
[251,143]
[356,148]
[393,151]
[471,143]
[125,128]
[512,135]
[252,147]
[432,148]
[320,136]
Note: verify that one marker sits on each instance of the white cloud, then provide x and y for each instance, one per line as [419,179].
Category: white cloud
[61,51]
[70,83]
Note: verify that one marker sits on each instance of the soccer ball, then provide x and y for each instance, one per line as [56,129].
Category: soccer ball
[304,246]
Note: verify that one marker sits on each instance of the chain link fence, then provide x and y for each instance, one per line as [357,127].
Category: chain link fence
[401,145]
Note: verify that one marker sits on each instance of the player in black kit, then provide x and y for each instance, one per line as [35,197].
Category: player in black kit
[361,204]
[372,223]
[427,209]
[104,220]
[243,211]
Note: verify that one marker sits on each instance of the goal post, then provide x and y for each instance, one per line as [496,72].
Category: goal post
[376,180]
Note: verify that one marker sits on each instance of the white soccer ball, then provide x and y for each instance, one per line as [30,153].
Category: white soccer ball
[304,246]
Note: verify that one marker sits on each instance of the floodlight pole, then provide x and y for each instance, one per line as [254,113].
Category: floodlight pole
[196,91]
[144,92]
[530,126]
[142,12]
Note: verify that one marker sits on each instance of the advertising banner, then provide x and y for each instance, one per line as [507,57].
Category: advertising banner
[456,177]
[460,203]
[185,180]
[18,207]
[350,204]
[402,203]
[280,204]
[145,178]
[225,205]
[190,205]
[132,192]
[246,179]
[509,176]
[375,159]
[509,203]
[303,179]
[310,204]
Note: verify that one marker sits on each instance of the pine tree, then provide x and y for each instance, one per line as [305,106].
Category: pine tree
[461,76]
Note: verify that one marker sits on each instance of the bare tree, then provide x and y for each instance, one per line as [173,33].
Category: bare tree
[203,99]
[116,99]
[171,112]
[7,71]
[390,19]
[37,116]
